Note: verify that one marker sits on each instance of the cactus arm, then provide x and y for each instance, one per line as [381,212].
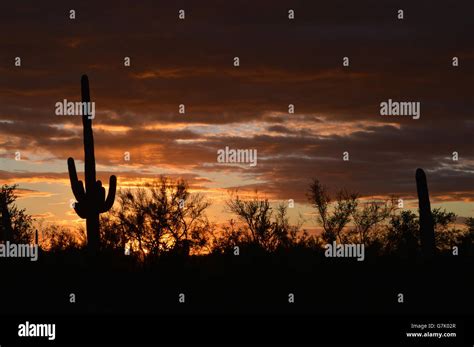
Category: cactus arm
[80,210]
[109,202]
[76,185]
[100,191]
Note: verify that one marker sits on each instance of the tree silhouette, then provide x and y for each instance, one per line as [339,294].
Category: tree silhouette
[164,217]
[470,224]
[16,225]
[160,217]
[466,241]
[446,235]
[230,236]
[402,234]
[286,234]
[268,228]
[6,198]
[333,222]
[256,214]
[179,213]
[58,238]
[371,215]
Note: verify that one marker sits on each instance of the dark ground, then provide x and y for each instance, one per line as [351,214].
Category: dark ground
[239,284]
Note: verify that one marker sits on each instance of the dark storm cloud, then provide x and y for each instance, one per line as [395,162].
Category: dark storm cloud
[299,62]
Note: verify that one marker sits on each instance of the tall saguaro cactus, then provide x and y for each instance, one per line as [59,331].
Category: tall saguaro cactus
[91,201]
[427,234]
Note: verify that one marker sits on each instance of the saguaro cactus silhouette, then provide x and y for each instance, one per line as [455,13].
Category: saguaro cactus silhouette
[91,201]
[427,235]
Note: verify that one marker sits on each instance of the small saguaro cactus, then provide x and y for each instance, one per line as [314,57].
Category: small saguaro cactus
[90,202]
[427,235]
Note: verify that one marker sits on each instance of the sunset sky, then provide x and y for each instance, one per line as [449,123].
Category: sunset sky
[282,62]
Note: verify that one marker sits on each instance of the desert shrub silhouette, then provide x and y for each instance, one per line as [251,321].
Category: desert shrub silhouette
[158,218]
